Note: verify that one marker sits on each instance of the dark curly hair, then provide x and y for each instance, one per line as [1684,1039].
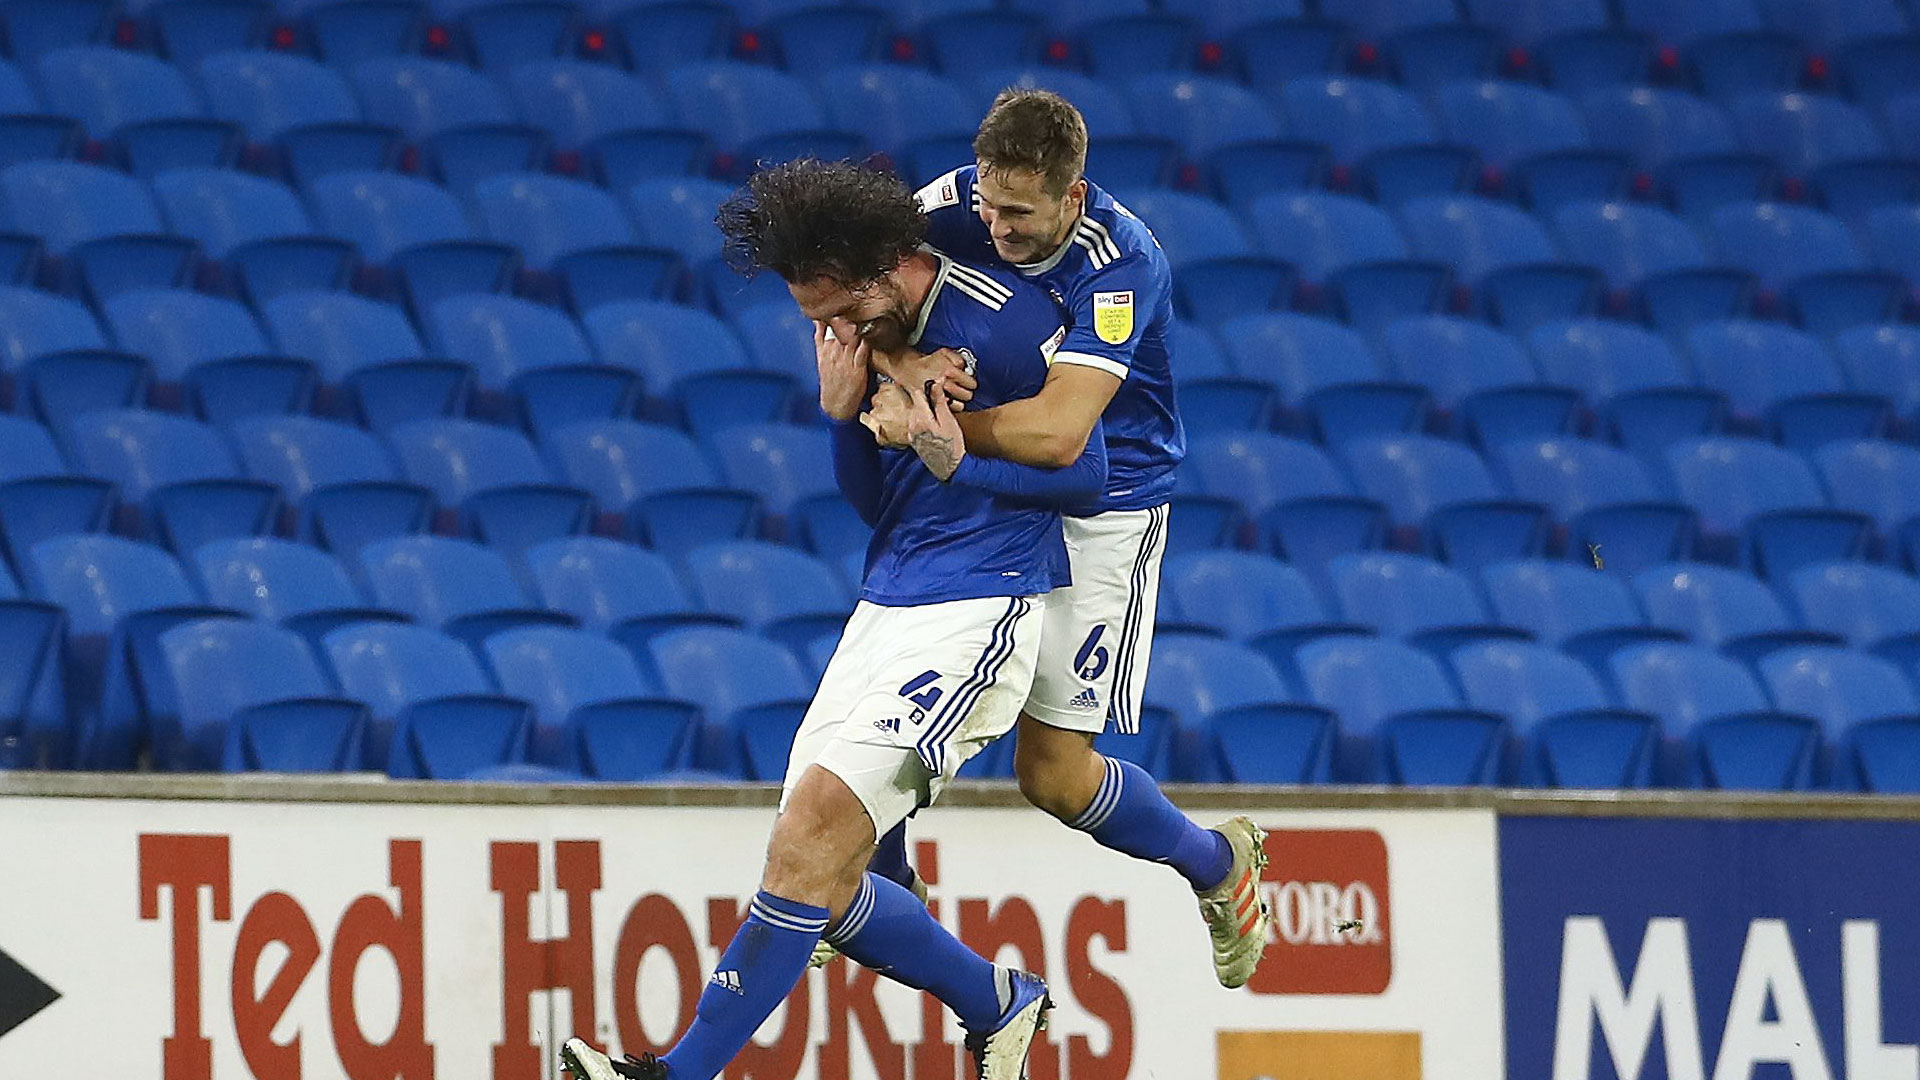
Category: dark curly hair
[809,219]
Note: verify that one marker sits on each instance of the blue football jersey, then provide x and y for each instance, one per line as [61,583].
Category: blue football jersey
[1114,284]
[934,542]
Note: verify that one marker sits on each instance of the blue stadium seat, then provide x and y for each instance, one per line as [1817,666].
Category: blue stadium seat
[222,209]
[748,111]
[816,39]
[1556,601]
[182,471]
[1572,736]
[1198,112]
[1190,227]
[1645,395]
[727,671]
[1324,369]
[678,213]
[1713,605]
[1533,135]
[1893,233]
[424,97]
[1446,489]
[34,29]
[782,593]
[690,362]
[1220,275]
[1686,139]
[1825,24]
[1883,360]
[276,580]
[1854,190]
[1786,377]
[893,107]
[107,89]
[625,158]
[417,228]
[658,36]
[461,157]
[33,634]
[1350,248]
[1505,255]
[1874,477]
[1811,258]
[214,347]
[438,580]
[345,483]
[1401,718]
[505,338]
[1238,593]
[66,203]
[1404,594]
[345,34]
[1201,681]
[40,496]
[603,582]
[778,337]
[1580,61]
[1656,255]
[1730,735]
[505,494]
[1860,602]
[782,463]
[465,737]
[242,686]
[1604,495]
[370,350]
[1860,701]
[1480,375]
[667,487]
[501,36]
[1380,17]
[1529,22]
[1805,132]
[1771,497]
[1221,19]
[1099,102]
[969,40]
[564,673]
[271,93]
[1381,132]
[1302,500]
[578,102]
[397,667]
[35,324]
[548,217]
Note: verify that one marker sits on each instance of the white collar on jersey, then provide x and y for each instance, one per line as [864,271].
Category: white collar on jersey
[939,282]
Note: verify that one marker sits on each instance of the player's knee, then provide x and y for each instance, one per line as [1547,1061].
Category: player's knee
[1052,774]
[819,842]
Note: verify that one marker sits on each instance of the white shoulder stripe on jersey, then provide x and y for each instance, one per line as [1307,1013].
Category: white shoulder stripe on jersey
[982,281]
[968,288]
[1095,255]
[1101,238]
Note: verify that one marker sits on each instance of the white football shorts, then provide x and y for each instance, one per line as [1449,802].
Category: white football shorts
[1098,633]
[911,693]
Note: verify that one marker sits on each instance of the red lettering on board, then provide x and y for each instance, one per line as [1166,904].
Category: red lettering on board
[1014,923]
[274,917]
[653,921]
[185,865]
[529,966]
[1097,992]
[370,922]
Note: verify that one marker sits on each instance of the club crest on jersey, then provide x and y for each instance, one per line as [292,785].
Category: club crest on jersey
[970,361]
[1113,316]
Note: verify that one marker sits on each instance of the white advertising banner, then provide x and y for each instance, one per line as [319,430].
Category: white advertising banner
[179,940]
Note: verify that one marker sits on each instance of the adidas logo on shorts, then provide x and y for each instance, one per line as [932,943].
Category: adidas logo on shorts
[1087,700]
[728,980]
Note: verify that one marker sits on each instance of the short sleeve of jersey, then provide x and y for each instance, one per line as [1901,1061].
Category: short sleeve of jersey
[1108,310]
[952,224]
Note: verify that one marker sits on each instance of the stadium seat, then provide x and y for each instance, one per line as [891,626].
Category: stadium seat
[107,89]
[893,107]
[271,93]
[1770,497]
[1201,680]
[1714,605]
[424,97]
[183,472]
[548,217]
[1239,594]
[750,112]
[276,580]
[691,359]
[1727,67]
[1825,24]
[66,203]
[1605,496]
[1353,250]
[603,582]
[968,40]
[33,634]
[1859,700]
[510,343]
[564,674]
[1532,135]
[1860,602]
[1730,736]
[1571,735]
[416,227]
[1657,257]
[1480,375]
[1382,134]
[345,34]
[1325,370]
[1505,255]
[578,102]
[781,593]
[782,463]
[252,696]
[502,36]
[1304,503]
[727,671]
[1810,257]
[1200,113]
[1805,131]
[678,213]
[1100,103]
[1404,594]
[461,157]
[345,483]
[1530,22]
[1644,393]
[40,496]
[658,36]
[1445,488]
[464,737]
[1876,70]
[817,39]
[1883,360]
[1556,601]
[1873,477]
[505,494]
[212,346]
[439,581]
[221,209]
[1381,17]
[1401,718]
[667,487]
[395,667]
[369,350]
[59,359]
[1688,141]
[1787,377]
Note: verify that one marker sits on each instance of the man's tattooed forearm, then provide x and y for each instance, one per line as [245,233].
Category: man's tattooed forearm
[938,451]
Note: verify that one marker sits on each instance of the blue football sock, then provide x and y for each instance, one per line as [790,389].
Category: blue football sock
[890,857]
[762,964]
[888,929]
[1129,814]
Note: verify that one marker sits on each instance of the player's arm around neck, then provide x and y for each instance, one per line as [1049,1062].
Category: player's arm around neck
[1049,429]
